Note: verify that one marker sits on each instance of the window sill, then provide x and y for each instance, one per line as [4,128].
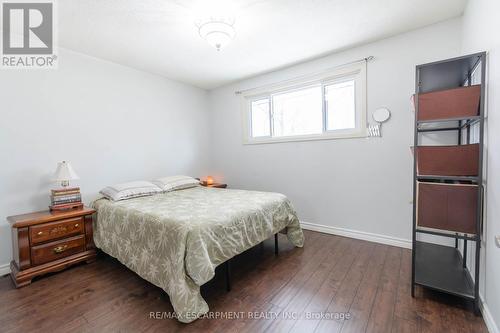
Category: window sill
[305,138]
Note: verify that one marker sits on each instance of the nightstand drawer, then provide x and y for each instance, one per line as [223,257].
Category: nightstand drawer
[55,230]
[41,254]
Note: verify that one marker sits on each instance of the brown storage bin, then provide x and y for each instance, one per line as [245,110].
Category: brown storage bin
[451,207]
[460,160]
[451,103]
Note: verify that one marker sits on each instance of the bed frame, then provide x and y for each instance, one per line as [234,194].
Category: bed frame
[227,264]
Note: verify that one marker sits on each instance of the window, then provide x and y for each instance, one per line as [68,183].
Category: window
[326,106]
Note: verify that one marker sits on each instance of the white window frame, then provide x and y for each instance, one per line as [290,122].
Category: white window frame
[355,72]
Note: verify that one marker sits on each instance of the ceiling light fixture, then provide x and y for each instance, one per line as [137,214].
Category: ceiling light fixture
[218,32]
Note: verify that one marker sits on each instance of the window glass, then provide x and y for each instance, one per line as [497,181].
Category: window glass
[261,121]
[298,112]
[340,106]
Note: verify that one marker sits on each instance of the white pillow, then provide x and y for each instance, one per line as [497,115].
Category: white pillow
[130,190]
[174,183]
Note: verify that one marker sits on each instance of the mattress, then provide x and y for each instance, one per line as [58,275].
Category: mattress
[176,239]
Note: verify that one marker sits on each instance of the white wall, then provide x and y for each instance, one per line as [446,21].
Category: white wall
[113,123]
[358,184]
[480,33]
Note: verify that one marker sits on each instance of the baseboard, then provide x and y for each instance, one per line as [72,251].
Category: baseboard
[4,269]
[488,318]
[367,236]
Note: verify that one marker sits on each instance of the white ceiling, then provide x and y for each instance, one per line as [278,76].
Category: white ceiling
[160,36]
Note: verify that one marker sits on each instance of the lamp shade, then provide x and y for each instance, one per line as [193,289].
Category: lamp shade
[65,172]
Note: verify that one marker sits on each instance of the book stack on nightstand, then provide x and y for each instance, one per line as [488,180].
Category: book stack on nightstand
[66,198]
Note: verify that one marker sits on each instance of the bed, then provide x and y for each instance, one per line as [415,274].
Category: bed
[175,240]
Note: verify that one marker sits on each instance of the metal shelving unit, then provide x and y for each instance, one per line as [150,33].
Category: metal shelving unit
[435,266]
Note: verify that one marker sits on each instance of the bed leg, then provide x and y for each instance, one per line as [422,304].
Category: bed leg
[228,275]
[276,248]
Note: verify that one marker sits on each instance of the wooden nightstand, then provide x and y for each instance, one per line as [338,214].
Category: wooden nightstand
[216,185]
[46,241]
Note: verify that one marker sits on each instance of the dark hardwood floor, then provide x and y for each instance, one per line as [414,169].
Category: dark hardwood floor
[333,284]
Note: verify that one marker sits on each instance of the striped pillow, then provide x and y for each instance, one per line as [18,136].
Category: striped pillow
[130,190]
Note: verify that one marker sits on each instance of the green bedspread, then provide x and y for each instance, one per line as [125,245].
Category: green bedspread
[176,239]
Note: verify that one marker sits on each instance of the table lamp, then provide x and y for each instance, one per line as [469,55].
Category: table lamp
[64,173]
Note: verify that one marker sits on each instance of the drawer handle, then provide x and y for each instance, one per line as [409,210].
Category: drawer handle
[60,248]
[40,233]
[76,225]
